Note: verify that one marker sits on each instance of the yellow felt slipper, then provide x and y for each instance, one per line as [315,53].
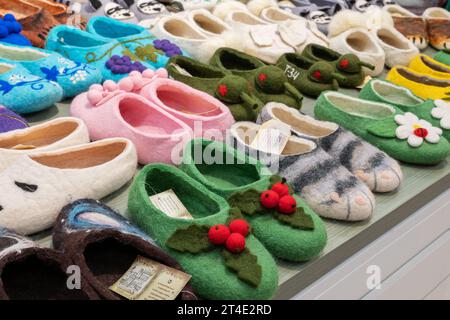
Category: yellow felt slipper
[422,85]
[427,65]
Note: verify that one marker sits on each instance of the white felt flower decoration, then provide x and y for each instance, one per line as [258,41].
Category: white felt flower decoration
[442,111]
[416,130]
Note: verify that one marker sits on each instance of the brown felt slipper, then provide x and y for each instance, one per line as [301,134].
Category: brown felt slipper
[104,245]
[438,21]
[28,272]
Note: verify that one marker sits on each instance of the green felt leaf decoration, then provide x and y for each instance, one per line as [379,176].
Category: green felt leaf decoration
[383,128]
[275,179]
[193,239]
[235,213]
[245,264]
[248,201]
[299,219]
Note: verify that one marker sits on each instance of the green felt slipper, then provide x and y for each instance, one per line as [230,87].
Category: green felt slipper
[234,91]
[403,136]
[435,112]
[223,265]
[443,57]
[348,65]
[241,179]
[309,77]
[269,82]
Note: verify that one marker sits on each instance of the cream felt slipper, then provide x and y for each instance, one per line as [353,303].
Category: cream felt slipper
[36,187]
[209,24]
[48,136]
[438,27]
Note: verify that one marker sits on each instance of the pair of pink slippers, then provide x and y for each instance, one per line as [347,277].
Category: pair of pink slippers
[159,115]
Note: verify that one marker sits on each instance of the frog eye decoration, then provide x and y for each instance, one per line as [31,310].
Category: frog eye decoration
[350,63]
[271,79]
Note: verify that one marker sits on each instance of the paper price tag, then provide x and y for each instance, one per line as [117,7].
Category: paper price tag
[272,137]
[170,204]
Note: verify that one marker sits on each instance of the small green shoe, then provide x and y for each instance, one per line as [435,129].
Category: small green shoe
[217,272]
[309,77]
[233,91]
[269,82]
[401,135]
[443,57]
[241,179]
[435,112]
[348,65]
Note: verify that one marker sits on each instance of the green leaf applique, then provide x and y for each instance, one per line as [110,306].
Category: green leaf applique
[383,128]
[299,219]
[193,239]
[245,264]
[148,53]
[248,202]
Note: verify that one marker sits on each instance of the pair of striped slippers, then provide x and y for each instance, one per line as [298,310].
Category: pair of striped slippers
[333,170]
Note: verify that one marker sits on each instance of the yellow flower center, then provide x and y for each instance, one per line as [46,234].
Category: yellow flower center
[417,126]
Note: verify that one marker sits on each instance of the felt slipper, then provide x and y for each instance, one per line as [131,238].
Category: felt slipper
[209,24]
[48,181]
[443,57]
[269,82]
[199,4]
[134,39]
[423,85]
[435,112]
[73,77]
[106,55]
[148,10]
[246,176]
[375,168]
[412,26]
[107,8]
[403,136]
[48,136]
[10,31]
[427,65]
[438,26]
[23,92]
[154,131]
[348,65]
[104,245]
[10,121]
[310,78]
[234,91]
[29,272]
[243,271]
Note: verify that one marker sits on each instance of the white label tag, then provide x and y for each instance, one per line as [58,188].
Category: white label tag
[181,70]
[170,204]
[366,81]
[272,137]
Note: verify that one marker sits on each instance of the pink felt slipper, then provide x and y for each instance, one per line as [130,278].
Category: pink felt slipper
[112,110]
[206,115]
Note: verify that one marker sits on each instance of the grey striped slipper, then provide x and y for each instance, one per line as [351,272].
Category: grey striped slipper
[327,186]
[376,169]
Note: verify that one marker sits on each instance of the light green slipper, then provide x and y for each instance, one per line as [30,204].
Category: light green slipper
[241,179]
[403,136]
[217,273]
[435,112]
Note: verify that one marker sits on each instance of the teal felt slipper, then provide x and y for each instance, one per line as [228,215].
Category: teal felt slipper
[137,41]
[403,136]
[23,92]
[435,112]
[73,77]
[241,180]
[269,82]
[224,265]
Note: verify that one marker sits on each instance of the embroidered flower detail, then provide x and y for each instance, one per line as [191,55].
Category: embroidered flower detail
[15,78]
[416,130]
[68,63]
[51,74]
[79,76]
[442,111]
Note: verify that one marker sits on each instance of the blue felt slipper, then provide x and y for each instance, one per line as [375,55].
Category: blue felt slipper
[73,77]
[10,31]
[23,92]
[137,41]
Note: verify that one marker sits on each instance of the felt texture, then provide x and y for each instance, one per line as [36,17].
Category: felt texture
[154,131]
[38,186]
[438,27]
[10,121]
[245,173]
[239,95]
[60,11]
[150,9]
[375,168]
[23,92]
[443,57]
[10,31]
[211,279]
[104,245]
[422,85]
[427,65]
[324,184]
[108,8]
[28,272]
[269,83]
[404,99]
[74,78]
[368,117]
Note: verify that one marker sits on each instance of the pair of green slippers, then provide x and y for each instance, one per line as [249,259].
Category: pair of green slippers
[220,187]
[393,119]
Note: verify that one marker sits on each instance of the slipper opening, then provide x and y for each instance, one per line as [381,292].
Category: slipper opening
[395,94]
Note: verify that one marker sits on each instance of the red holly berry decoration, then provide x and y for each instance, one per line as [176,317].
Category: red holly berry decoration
[269,199]
[223,90]
[218,234]
[317,74]
[281,188]
[235,243]
[344,63]
[287,205]
[262,77]
[239,226]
